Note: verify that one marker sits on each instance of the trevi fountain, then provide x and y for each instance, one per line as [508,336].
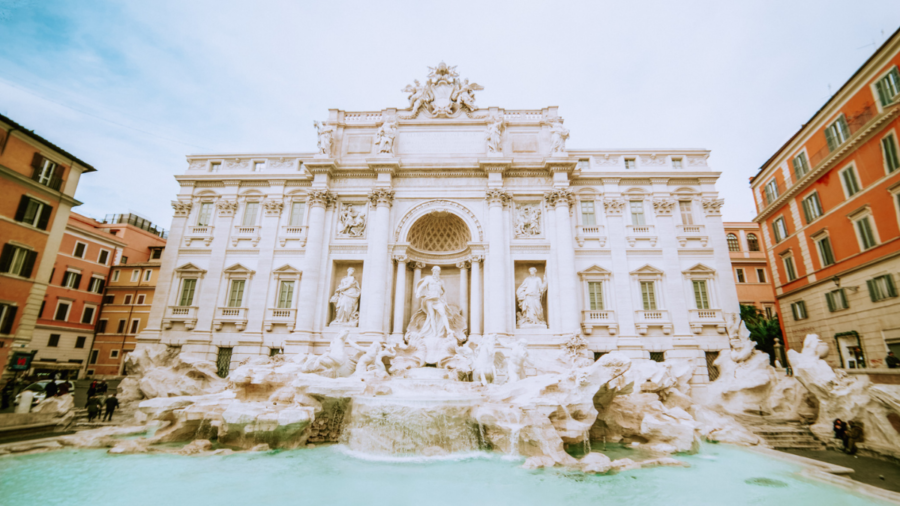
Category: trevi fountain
[554,343]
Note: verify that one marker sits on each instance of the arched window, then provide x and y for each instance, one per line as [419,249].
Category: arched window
[752,242]
[733,244]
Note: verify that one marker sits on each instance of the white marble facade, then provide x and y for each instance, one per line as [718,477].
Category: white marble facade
[630,242]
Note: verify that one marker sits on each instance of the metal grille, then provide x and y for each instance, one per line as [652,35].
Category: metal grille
[710,368]
[658,356]
[223,362]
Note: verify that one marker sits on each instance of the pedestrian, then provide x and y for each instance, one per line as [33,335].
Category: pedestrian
[92,390]
[111,404]
[51,389]
[840,429]
[854,435]
[93,407]
[63,388]
[102,388]
[892,361]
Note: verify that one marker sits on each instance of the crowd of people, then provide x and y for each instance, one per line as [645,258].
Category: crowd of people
[850,433]
[101,405]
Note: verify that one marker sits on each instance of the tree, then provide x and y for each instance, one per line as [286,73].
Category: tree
[763,330]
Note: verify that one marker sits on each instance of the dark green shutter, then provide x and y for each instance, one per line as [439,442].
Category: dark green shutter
[102,285]
[10,318]
[794,311]
[6,257]
[77,282]
[28,264]
[806,204]
[829,298]
[873,290]
[798,170]
[36,161]
[889,281]
[45,217]
[830,139]
[882,94]
[23,208]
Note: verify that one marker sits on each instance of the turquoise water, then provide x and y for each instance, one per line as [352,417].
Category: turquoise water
[719,475]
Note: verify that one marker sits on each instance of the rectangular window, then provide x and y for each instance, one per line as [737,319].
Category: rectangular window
[79,341]
[54,341]
[801,165]
[637,212]
[140,299]
[87,317]
[740,276]
[134,326]
[587,213]
[113,353]
[889,147]
[71,279]
[101,326]
[116,276]
[770,311]
[80,250]
[120,329]
[96,285]
[156,253]
[789,268]
[761,275]
[127,299]
[187,292]
[881,288]
[771,191]
[836,300]
[135,275]
[837,133]
[109,299]
[851,184]
[33,213]
[62,311]
[286,295]
[700,295]
[147,275]
[258,166]
[866,235]
[297,209]
[93,359]
[648,295]
[45,171]
[7,317]
[687,212]
[215,166]
[798,309]
[825,253]
[17,261]
[123,260]
[812,207]
[595,293]
[250,214]
[780,229]
[676,163]
[630,164]
[204,217]
[888,86]
[103,258]
[236,295]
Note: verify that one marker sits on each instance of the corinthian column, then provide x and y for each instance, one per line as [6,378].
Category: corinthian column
[417,275]
[464,288]
[375,287]
[496,322]
[399,296]
[309,283]
[562,201]
[476,300]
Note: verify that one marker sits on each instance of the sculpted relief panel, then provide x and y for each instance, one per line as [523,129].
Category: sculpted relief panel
[528,220]
[352,220]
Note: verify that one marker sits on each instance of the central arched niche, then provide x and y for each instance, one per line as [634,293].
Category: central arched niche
[439,232]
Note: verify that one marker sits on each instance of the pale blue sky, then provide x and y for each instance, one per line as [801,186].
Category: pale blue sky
[132,87]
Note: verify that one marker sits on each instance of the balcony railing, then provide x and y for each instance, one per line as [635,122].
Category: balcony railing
[242,232]
[691,229]
[645,232]
[701,317]
[235,315]
[645,318]
[289,232]
[199,232]
[280,316]
[640,229]
[590,232]
[591,318]
[688,232]
[182,314]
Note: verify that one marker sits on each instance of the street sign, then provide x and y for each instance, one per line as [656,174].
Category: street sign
[20,361]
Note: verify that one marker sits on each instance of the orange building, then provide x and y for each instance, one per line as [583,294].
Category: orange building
[750,267]
[828,203]
[38,181]
[65,326]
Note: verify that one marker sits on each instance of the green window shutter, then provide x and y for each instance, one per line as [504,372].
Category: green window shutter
[829,298]
[889,144]
[237,293]
[794,310]
[845,131]
[829,137]
[873,290]
[806,210]
[7,324]
[798,170]
[882,93]
[44,220]
[6,257]
[891,289]
[22,209]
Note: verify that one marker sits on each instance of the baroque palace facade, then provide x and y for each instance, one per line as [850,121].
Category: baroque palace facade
[279,253]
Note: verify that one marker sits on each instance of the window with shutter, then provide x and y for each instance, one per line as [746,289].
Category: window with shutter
[187,292]
[134,326]
[889,149]
[789,268]
[866,235]
[7,317]
[888,86]
[87,316]
[780,229]
[237,293]
[53,342]
[80,341]
[595,294]
[826,255]
[62,311]
[752,242]
[80,250]
[837,133]
[812,207]
[801,165]
[740,276]
[120,329]
[851,184]
[881,287]
[761,275]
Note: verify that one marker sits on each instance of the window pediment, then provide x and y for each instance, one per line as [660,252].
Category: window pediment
[190,269]
[238,270]
[594,272]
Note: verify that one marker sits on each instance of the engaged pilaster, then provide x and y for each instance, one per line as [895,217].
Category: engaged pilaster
[317,201]
[375,287]
[496,262]
[562,201]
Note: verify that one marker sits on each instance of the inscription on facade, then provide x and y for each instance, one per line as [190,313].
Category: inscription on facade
[441,142]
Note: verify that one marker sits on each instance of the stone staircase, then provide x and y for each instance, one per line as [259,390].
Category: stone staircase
[788,436]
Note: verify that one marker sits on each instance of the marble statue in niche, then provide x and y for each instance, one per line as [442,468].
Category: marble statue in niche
[346,301]
[528,220]
[558,136]
[326,137]
[352,222]
[493,135]
[384,138]
[529,295]
[435,329]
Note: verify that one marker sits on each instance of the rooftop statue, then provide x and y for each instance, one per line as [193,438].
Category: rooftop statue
[443,94]
[326,137]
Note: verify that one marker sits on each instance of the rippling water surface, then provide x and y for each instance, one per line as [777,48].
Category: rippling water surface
[719,475]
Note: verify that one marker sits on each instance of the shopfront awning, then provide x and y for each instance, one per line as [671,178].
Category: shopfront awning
[68,366]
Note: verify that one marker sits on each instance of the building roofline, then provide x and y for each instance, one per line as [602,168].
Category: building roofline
[833,98]
[16,127]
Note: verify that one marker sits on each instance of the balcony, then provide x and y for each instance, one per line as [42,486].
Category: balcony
[635,233]
[291,233]
[241,232]
[709,317]
[280,316]
[235,315]
[691,232]
[199,233]
[594,232]
[181,314]
[591,318]
[646,318]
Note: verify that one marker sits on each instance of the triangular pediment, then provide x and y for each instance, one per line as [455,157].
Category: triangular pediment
[286,269]
[189,267]
[594,269]
[647,269]
[699,269]
[239,269]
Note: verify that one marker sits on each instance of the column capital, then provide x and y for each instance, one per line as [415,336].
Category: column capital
[182,207]
[462,265]
[382,197]
[322,198]
[273,207]
[713,207]
[401,259]
[419,265]
[226,207]
[663,207]
[496,196]
[560,197]
[614,206]
[476,258]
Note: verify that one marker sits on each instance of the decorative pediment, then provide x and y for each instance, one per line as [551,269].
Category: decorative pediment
[238,270]
[699,270]
[189,267]
[286,269]
[647,270]
[594,272]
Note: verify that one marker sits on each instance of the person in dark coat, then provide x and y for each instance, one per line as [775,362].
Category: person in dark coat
[102,388]
[92,390]
[111,404]
[892,361]
[51,389]
[93,407]
[840,429]
[7,394]
[63,388]
[854,435]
